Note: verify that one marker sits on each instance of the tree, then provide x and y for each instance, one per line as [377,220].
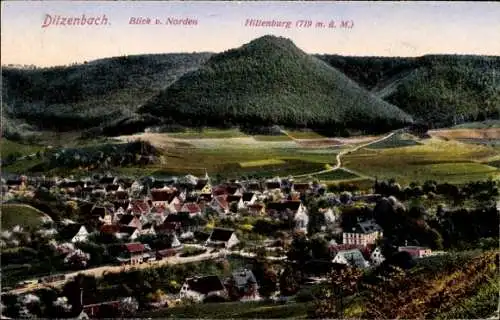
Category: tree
[288,281]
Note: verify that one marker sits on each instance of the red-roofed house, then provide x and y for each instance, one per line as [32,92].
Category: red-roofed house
[139,207]
[162,197]
[220,204]
[193,209]
[133,253]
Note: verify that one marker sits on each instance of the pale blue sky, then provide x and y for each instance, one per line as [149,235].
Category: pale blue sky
[380,28]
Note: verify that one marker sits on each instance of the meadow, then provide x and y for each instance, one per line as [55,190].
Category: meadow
[22,215]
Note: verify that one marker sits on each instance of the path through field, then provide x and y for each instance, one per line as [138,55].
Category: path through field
[338,157]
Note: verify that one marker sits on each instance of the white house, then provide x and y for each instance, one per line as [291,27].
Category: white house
[301,220]
[249,198]
[363,233]
[220,204]
[222,237]
[352,258]
[199,288]
[74,233]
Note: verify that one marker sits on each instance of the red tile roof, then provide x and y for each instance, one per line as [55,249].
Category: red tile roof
[134,247]
[192,207]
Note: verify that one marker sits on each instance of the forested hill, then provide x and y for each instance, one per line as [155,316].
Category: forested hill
[267,80]
[441,90]
[271,81]
[90,94]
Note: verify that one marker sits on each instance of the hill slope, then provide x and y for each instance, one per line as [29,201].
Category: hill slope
[269,81]
[440,90]
[88,95]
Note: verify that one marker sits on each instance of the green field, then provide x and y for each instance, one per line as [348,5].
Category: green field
[208,133]
[271,138]
[445,161]
[297,134]
[20,214]
[259,163]
[339,174]
[232,310]
[396,141]
[8,147]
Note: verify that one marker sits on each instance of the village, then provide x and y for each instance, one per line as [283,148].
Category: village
[151,222]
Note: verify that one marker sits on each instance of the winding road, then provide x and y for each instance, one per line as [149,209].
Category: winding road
[338,157]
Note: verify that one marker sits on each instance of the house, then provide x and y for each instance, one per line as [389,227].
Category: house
[203,186]
[131,221]
[192,208]
[220,204]
[272,185]
[74,233]
[285,210]
[364,233]
[200,288]
[245,285]
[138,207]
[162,197]
[249,198]
[353,258]
[235,199]
[416,252]
[222,237]
[133,253]
[301,220]
[330,217]
[103,215]
[377,257]
[256,209]
[147,229]
[302,188]
[254,186]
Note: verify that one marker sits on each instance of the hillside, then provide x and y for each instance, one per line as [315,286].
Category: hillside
[440,90]
[89,95]
[271,81]
[20,214]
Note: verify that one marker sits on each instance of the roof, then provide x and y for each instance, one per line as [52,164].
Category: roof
[106,180]
[110,229]
[273,185]
[353,257]
[244,276]
[126,219]
[221,234]
[282,206]
[70,230]
[205,285]
[200,184]
[247,196]
[127,229]
[221,200]
[139,206]
[112,187]
[205,196]
[233,198]
[121,195]
[192,207]
[255,186]
[100,211]
[134,247]
[301,186]
[162,195]
[367,227]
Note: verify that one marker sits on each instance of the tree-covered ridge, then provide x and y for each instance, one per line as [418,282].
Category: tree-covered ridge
[87,95]
[440,90]
[268,81]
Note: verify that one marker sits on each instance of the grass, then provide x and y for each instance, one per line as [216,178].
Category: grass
[20,214]
[339,174]
[258,163]
[444,161]
[8,147]
[228,310]
[395,141]
[297,134]
[479,125]
[272,138]
[208,133]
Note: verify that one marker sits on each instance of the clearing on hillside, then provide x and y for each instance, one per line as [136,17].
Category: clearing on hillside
[21,214]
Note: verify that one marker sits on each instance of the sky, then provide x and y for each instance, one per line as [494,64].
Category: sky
[377,28]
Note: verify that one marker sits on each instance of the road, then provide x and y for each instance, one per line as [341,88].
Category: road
[100,271]
[338,157]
